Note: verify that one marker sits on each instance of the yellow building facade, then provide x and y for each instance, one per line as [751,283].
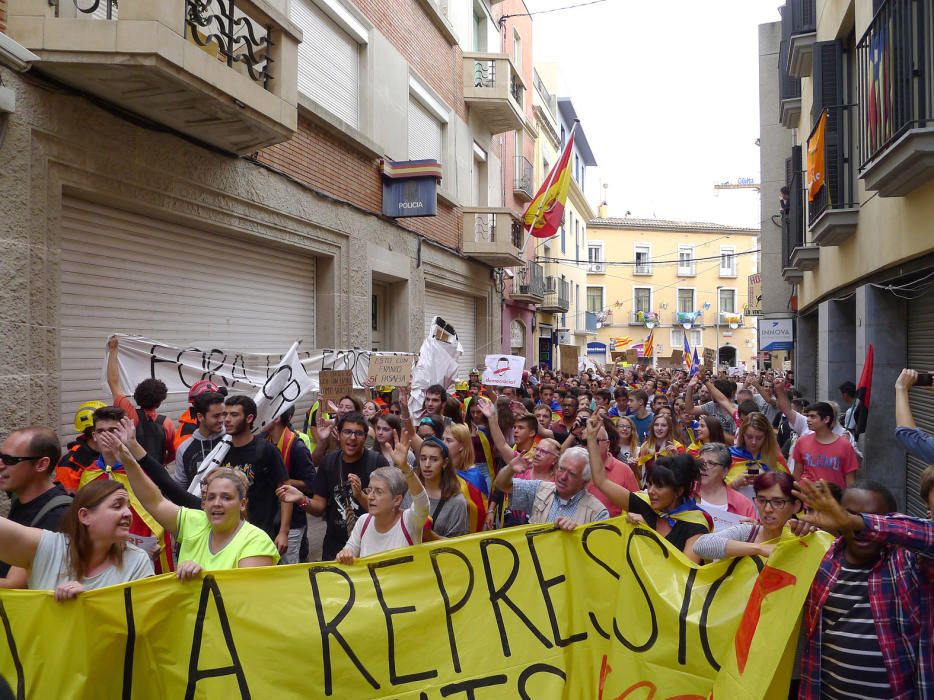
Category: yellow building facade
[671,278]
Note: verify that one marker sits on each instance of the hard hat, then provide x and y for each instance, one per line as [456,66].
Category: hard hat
[385,389]
[460,386]
[199,387]
[84,416]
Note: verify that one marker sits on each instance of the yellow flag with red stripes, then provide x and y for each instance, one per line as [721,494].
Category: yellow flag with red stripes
[546,212]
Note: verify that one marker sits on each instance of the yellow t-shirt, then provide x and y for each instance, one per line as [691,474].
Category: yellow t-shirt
[194,532]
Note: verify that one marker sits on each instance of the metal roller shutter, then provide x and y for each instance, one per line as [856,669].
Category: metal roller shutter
[459,311]
[920,357]
[424,133]
[328,62]
[130,273]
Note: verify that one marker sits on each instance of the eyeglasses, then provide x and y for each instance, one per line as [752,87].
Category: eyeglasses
[374,491]
[115,429]
[353,433]
[603,439]
[540,451]
[11,460]
[709,464]
[776,503]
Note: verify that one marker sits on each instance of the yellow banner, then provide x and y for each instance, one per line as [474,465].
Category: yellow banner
[608,611]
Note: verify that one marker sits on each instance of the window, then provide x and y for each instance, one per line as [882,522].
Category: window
[595,258]
[685,301]
[563,136]
[727,301]
[643,255]
[685,260]
[329,58]
[577,241]
[517,50]
[695,338]
[563,230]
[595,300]
[427,117]
[641,300]
[578,313]
[727,261]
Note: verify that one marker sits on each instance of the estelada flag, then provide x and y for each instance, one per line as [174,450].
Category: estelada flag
[816,158]
[863,393]
[545,213]
[648,347]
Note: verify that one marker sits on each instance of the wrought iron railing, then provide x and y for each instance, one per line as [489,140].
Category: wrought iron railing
[793,218]
[517,231]
[557,293]
[484,73]
[789,87]
[98,9]
[239,39]
[551,102]
[488,224]
[896,75]
[838,190]
[516,89]
[523,176]
[529,280]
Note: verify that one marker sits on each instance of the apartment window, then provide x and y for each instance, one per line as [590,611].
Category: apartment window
[642,300]
[685,260]
[727,301]
[727,261]
[595,300]
[577,241]
[595,261]
[643,254]
[685,301]
[563,231]
[427,117]
[517,50]
[563,136]
[329,57]
[695,338]
[578,314]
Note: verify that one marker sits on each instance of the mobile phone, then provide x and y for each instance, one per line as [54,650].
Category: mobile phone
[924,379]
[753,471]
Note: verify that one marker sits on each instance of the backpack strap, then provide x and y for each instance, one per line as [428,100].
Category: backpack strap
[366,524]
[405,530]
[434,516]
[52,504]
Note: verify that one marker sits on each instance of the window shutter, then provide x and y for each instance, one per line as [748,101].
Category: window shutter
[828,92]
[328,63]
[795,202]
[424,133]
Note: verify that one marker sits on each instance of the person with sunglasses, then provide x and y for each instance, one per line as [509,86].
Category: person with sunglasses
[339,483]
[776,504]
[27,465]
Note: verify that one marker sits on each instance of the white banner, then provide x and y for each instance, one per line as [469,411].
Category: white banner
[504,370]
[141,358]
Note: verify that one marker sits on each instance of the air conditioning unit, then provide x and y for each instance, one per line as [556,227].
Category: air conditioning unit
[596,267]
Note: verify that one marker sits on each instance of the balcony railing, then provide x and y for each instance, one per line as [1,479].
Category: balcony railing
[727,318]
[557,296]
[493,236]
[833,212]
[528,283]
[590,322]
[789,86]
[640,318]
[523,180]
[896,97]
[494,89]
[551,102]
[223,72]
[695,318]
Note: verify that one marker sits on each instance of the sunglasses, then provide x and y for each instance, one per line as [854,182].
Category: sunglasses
[11,460]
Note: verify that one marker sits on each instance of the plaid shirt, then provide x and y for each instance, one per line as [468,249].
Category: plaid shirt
[901,597]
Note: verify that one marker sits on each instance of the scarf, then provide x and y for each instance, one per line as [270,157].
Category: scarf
[743,461]
[687,512]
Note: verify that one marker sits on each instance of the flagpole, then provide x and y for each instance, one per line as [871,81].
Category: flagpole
[549,181]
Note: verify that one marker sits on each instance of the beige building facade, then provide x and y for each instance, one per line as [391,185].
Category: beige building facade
[672,279]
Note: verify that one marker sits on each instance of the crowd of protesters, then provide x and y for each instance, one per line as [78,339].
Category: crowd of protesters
[717,467]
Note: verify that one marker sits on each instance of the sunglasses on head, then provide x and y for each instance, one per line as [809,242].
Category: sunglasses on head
[11,460]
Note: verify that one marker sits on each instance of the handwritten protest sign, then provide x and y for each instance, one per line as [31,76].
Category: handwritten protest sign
[391,370]
[568,363]
[632,357]
[709,358]
[527,612]
[333,384]
[503,370]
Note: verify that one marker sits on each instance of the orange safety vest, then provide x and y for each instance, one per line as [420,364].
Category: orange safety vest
[185,427]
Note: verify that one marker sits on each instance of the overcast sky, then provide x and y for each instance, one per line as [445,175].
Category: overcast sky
[667,93]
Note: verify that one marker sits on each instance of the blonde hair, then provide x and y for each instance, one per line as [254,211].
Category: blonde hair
[770,451]
[633,434]
[651,440]
[235,476]
[461,433]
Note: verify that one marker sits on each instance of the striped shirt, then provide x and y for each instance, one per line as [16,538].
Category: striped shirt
[851,659]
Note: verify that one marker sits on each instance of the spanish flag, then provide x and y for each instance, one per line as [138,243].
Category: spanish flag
[545,213]
[816,158]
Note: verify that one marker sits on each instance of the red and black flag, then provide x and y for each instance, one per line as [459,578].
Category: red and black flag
[863,393]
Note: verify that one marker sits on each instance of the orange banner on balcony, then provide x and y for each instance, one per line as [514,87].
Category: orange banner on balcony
[816,158]
[546,211]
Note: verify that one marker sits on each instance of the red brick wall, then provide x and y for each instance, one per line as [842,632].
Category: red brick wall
[329,165]
[2,15]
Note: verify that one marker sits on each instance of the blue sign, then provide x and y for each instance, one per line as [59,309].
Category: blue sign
[596,349]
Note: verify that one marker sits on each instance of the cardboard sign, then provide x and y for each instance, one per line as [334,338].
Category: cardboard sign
[504,370]
[391,370]
[617,356]
[568,359]
[709,358]
[334,383]
[632,357]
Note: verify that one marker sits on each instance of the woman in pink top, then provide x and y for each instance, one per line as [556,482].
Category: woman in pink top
[725,505]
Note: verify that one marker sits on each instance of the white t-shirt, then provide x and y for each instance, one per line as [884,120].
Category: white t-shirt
[363,544]
[50,566]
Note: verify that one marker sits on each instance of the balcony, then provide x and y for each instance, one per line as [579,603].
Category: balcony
[494,90]
[528,284]
[640,318]
[728,318]
[896,97]
[834,211]
[802,16]
[522,182]
[590,324]
[695,318]
[223,72]
[493,236]
[789,87]
[805,257]
[796,256]
[557,296]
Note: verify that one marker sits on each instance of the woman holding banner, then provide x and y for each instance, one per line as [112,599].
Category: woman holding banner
[215,537]
[667,506]
[386,525]
[92,550]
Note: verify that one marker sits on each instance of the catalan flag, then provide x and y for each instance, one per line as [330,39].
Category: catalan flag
[687,353]
[546,212]
[649,345]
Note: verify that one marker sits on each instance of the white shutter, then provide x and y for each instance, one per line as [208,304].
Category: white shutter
[328,62]
[460,311]
[123,272]
[424,133]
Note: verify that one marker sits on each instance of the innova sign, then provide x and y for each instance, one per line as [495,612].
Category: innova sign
[776,334]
